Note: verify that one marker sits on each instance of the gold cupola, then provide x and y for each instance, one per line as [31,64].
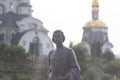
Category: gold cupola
[95,22]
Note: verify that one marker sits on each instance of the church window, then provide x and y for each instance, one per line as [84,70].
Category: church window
[105,38]
[23,10]
[32,26]
[2,32]
[85,37]
[95,15]
[2,35]
[20,11]
[1,10]
[25,0]
[11,5]
[12,33]
[34,46]
[104,30]
[96,29]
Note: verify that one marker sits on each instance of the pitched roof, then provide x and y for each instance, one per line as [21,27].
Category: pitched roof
[24,4]
[9,19]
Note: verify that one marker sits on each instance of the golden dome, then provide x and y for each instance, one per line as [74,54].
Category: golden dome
[95,23]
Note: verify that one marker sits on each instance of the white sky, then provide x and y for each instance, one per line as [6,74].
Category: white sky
[71,15]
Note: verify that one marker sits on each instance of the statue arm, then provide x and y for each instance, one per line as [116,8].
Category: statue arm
[73,60]
[49,61]
[74,66]
[49,55]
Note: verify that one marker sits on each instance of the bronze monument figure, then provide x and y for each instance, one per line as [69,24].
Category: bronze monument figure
[63,64]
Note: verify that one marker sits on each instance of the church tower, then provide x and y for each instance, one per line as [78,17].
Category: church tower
[95,32]
[18,27]
[16,6]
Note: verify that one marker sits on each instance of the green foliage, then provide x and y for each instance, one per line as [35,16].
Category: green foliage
[97,66]
[92,68]
[12,54]
[96,50]
[108,56]
[80,51]
[90,74]
[106,76]
[13,65]
[81,54]
[21,72]
[113,67]
[2,48]
[114,78]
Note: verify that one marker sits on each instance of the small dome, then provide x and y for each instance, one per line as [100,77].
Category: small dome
[95,23]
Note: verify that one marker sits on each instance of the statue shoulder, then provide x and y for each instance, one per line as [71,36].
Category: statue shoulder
[50,53]
[69,50]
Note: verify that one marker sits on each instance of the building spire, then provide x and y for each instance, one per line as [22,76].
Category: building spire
[95,22]
[95,5]
[95,10]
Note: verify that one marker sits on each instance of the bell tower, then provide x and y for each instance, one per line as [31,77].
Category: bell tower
[95,10]
[95,32]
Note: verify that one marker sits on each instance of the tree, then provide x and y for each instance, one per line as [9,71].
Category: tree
[13,65]
[113,67]
[108,56]
[79,50]
[96,50]
[15,54]
[2,50]
[91,74]
[98,66]
[81,54]
[106,76]
[114,78]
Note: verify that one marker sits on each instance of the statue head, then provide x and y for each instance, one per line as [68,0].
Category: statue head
[58,37]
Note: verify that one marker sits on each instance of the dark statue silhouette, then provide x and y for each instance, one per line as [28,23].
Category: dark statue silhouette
[62,61]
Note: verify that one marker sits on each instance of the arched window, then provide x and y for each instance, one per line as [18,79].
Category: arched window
[32,26]
[1,9]
[23,8]
[105,38]
[35,46]
[2,35]
[11,5]
[12,33]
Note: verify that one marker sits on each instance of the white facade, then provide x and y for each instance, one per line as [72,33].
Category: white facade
[24,30]
[45,45]
[34,29]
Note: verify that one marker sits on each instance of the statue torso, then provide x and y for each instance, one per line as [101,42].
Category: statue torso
[59,61]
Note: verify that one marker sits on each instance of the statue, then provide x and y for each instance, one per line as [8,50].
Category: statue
[63,64]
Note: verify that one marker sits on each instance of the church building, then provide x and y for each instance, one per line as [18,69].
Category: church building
[18,27]
[95,32]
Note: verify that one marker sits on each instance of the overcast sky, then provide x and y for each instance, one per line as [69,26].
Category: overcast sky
[71,15]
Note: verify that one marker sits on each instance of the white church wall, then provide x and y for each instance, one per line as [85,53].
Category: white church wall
[44,41]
